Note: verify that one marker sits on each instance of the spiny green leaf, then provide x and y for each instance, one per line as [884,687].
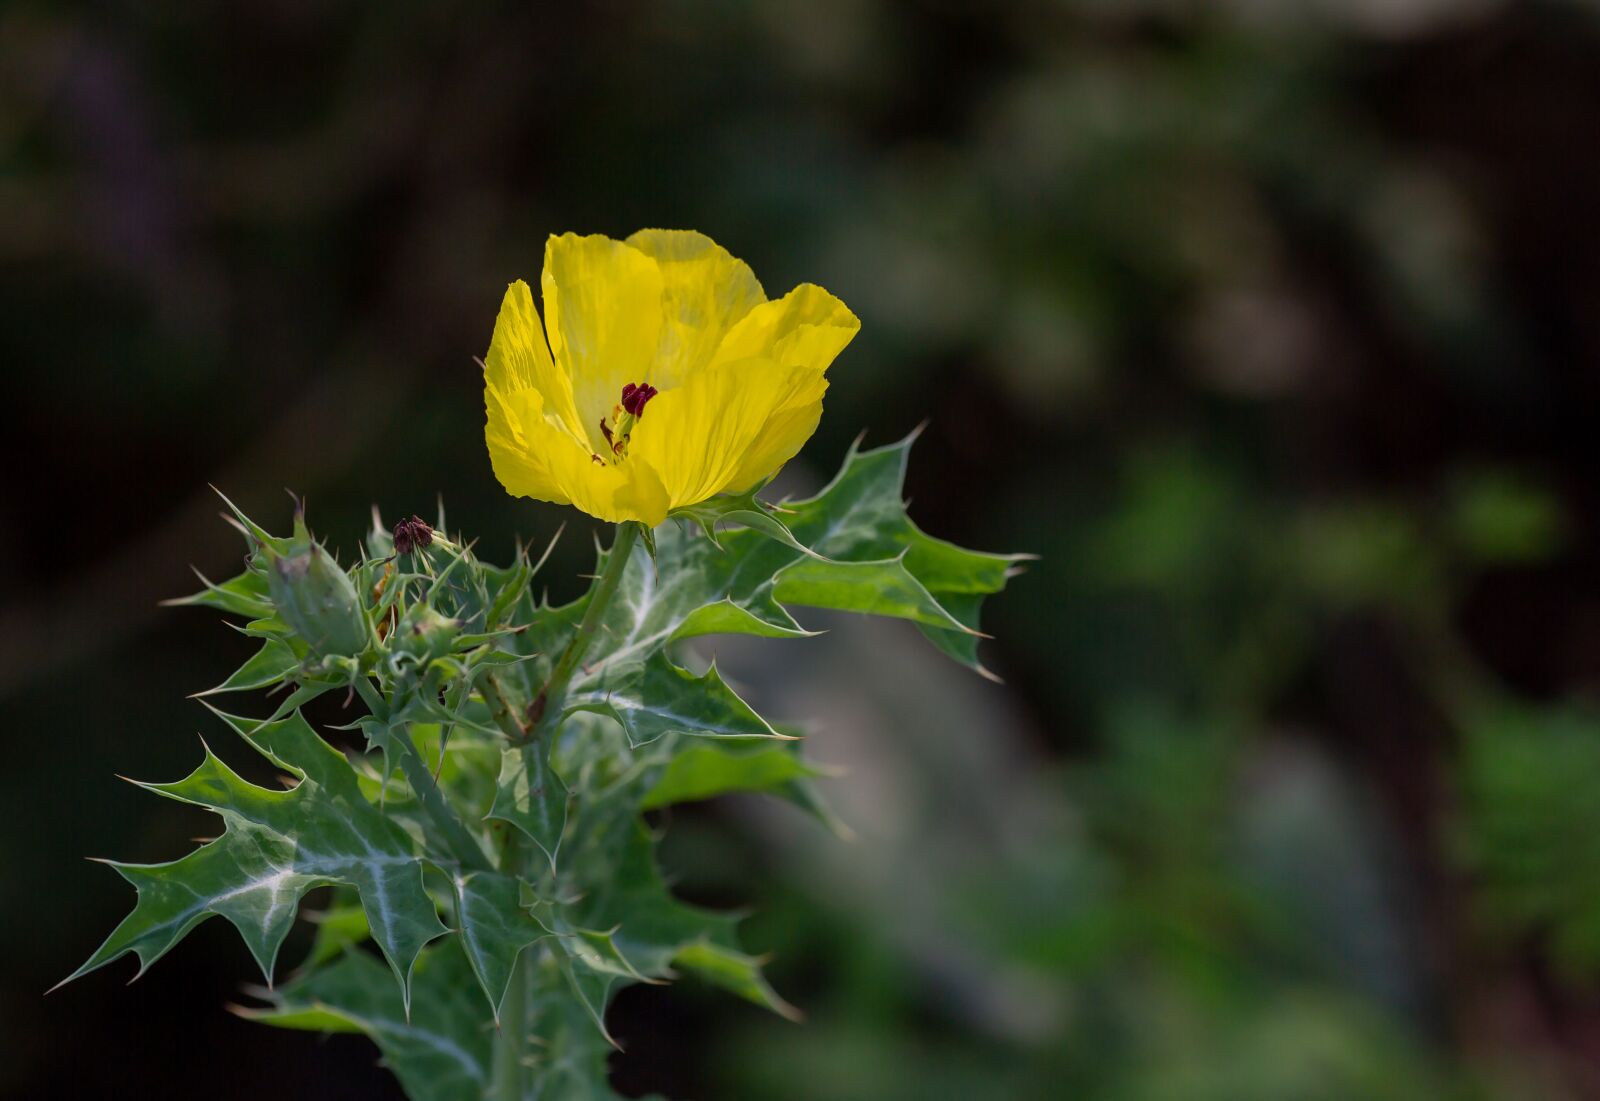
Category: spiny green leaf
[623,892]
[532,797]
[440,1051]
[878,561]
[654,697]
[599,951]
[244,595]
[726,617]
[271,626]
[705,770]
[961,645]
[508,585]
[593,964]
[592,989]
[276,846]
[734,970]
[862,515]
[443,1052]
[570,1053]
[340,927]
[272,664]
[884,588]
[495,928]
[252,530]
[742,510]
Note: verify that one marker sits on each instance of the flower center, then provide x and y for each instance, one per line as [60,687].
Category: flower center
[623,417]
[634,397]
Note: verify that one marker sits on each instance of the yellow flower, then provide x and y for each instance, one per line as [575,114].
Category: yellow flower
[667,378]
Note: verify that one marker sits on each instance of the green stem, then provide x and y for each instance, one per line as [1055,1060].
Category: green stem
[552,695]
[462,845]
[508,1071]
[500,709]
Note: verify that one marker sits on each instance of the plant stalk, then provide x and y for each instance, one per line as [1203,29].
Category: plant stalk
[463,846]
[508,1071]
[500,710]
[548,706]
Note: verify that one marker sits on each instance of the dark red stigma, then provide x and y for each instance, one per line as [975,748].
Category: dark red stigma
[634,397]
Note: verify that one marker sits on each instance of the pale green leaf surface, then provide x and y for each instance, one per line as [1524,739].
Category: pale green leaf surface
[627,896]
[276,846]
[245,595]
[570,1051]
[593,964]
[883,588]
[440,1052]
[647,930]
[495,927]
[705,770]
[653,697]
[877,561]
[741,510]
[270,665]
[340,927]
[532,797]
[733,970]
[592,989]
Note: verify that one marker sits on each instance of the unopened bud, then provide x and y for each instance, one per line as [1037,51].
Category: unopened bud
[412,534]
[316,598]
[424,633]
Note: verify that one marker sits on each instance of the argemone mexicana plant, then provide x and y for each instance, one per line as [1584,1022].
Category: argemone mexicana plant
[494,882]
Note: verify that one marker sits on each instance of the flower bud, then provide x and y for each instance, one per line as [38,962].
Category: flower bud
[315,597]
[424,633]
[412,534]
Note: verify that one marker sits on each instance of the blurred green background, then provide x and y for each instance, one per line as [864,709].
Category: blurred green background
[1271,326]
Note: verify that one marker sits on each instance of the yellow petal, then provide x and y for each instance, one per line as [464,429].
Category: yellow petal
[697,437]
[627,491]
[536,444]
[519,358]
[534,456]
[741,379]
[706,290]
[806,327]
[520,382]
[784,434]
[516,421]
[602,304]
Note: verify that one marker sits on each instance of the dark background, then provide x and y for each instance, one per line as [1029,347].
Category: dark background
[1271,326]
